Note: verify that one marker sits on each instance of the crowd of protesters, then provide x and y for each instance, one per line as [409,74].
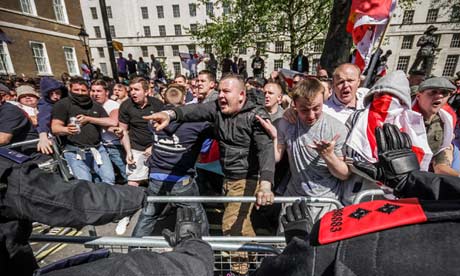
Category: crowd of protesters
[237,136]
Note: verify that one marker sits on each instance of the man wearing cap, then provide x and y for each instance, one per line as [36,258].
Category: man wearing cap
[439,121]
[28,101]
[14,126]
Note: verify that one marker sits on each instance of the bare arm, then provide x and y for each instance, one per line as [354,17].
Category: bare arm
[442,163]
[59,128]
[5,138]
[126,143]
[335,164]
[103,122]
[272,131]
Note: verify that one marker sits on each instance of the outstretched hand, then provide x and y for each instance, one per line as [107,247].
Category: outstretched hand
[159,120]
[324,147]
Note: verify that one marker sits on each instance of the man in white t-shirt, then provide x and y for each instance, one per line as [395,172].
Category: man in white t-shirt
[100,94]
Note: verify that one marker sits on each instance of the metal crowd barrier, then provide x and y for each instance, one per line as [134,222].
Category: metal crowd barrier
[57,160]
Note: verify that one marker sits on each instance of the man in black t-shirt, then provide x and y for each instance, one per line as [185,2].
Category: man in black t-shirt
[138,142]
[83,149]
[15,126]
[258,65]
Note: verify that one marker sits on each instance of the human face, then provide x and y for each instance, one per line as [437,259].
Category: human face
[231,96]
[99,94]
[29,100]
[180,81]
[204,85]
[346,83]
[138,94]
[80,89]
[309,112]
[431,101]
[296,80]
[457,83]
[416,79]
[120,92]
[55,95]
[272,95]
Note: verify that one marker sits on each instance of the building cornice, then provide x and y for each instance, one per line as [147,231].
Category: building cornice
[39,18]
[37,30]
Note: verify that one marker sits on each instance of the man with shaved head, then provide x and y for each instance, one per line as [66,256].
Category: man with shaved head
[246,152]
[345,98]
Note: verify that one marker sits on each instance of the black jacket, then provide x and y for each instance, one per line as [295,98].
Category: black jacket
[429,248]
[29,194]
[305,64]
[190,257]
[246,150]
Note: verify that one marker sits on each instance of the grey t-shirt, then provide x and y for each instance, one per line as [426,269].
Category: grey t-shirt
[309,173]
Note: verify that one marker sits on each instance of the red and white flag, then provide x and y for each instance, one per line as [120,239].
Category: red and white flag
[189,60]
[366,23]
[288,76]
[388,109]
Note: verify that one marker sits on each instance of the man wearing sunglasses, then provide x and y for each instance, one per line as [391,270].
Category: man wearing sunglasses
[439,118]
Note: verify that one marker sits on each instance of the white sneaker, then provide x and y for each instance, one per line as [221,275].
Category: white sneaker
[122,225]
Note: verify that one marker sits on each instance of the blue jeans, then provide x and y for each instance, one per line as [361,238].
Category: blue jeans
[117,156]
[153,211]
[81,169]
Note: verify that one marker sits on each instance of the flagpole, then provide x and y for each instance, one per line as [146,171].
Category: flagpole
[376,57]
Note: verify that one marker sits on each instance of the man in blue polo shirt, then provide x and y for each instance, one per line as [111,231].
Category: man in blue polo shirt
[172,165]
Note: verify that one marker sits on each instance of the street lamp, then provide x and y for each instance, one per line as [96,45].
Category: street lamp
[84,38]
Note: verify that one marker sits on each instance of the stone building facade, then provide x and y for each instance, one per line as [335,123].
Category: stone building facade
[44,37]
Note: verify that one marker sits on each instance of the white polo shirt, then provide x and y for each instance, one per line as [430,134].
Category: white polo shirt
[340,111]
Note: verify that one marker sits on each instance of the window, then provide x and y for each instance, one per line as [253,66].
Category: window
[160,12]
[145,51]
[176,66]
[191,49]
[225,8]
[209,9]
[208,48]
[93,12]
[160,51]
[175,50]
[103,67]
[176,11]
[314,66]
[60,11]
[455,42]
[192,9]
[147,32]
[112,31]
[318,45]
[261,46]
[262,28]
[162,30]
[278,64]
[97,31]
[279,46]
[145,12]
[109,11]
[28,6]
[455,15]
[193,28]
[100,51]
[437,37]
[6,67]
[242,51]
[71,61]
[177,30]
[407,42]
[449,67]
[408,17]
[41,58]
[432,15]
[403,63]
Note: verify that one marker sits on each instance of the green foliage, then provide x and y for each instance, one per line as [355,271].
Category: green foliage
[296,22]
